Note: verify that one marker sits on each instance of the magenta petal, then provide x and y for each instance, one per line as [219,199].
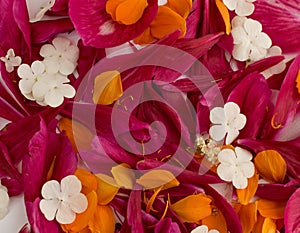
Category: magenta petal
[44,31]
[193,19]
[37,220]
[275,192]
[292,214]
[167,226]
[25,229]
[134,216]
[287,104]
[280,20]
[252,94]
[90,19]
[14,186]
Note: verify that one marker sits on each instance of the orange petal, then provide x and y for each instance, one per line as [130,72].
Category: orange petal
[246,194]
[107,87]
[145,38]
[271,209]
[182,7]
[74,129]
[248,216]
[271,166]
[157,178]
[107,189]
[269,226]
[123,176]
[126,12]
[216,221]
[87,179]
[225,15]
[298,81]
[111,7]
[259,224]
[193,208]
[152,199]
[167,21]
[103,220]
[83,219]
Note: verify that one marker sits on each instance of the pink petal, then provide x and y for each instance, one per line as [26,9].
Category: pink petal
[96,27]
[292,214]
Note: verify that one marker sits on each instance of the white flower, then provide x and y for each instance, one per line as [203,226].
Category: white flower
[60,57]
[4,201]
[250,43]
[11,60]
[236,166]
[203,229]
[277,69]
[241,7]
[29,76]
[52,89]
[227,120]
[62,201]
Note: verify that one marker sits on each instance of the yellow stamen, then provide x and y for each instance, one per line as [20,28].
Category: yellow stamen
[275,126]
[298,81]
[152,199]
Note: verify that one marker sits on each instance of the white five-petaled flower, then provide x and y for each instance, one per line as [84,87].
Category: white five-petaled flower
[11,60]
[250,43]
[4,201]
[235,166]
[62,201]
[228,121]
[241,7]
[60,57]
[45,88]
[203,229]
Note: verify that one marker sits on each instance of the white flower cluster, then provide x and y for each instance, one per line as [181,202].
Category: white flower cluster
[46,81]
[11,60]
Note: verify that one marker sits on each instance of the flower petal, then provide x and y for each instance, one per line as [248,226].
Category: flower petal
[244,8]
[217,132]
[47,50]
[38,67]
[239,181]
[78,203]
[103,220]
[64,214]
[70,185]
[217,115]
[67,67]
[225,173]
[49,208]
[51,190]
[246,194]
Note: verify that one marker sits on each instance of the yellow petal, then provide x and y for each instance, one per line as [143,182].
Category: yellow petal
[73,129]
[107,189]
[246,194]
[123,176]
[248,216]
[111,7]
[271,166]
[182,7]
[271,209]
[259,224]
[145,38]
[193,208]
[107,87]
[157,178]
[103,220]
[269,226]
[130,11]
[83,219]
[87,179]
[225,15]
[298,81]
[167,21]
[216,221]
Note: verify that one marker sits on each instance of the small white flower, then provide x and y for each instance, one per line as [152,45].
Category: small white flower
[227,121]
[52,89]
[11,60]
[241,7]
[277,69]
[250,43]
[29,76]
[4,201]
[62,201]
[203,229]
[60,57]
[235,166]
